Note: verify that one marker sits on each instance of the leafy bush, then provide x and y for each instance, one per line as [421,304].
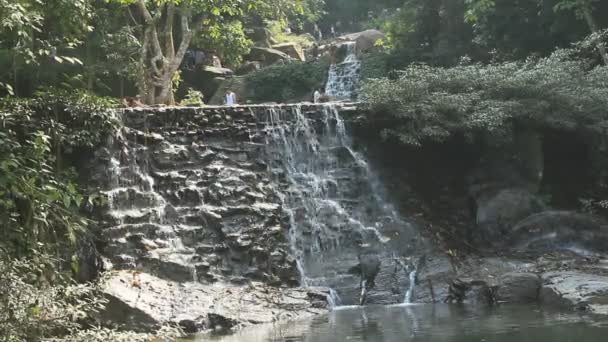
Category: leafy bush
[375,65]
[432,104]
[194,98]
[277,30]
[39,196]
[287,82]
[34,309]
[40,202]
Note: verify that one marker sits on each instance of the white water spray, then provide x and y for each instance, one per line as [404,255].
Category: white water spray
[344,77]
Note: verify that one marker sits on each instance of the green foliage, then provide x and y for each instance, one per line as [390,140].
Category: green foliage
[39,197]
[32,309]
[287,82]
[433,104]
[375,65]
[194,98]
[277,30]
[353,15]
[227,39]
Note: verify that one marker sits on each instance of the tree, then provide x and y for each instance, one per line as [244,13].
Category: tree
[40,31]
[169,26]
[584,9]
[515,29]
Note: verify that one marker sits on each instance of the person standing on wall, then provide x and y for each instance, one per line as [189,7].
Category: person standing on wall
[230,98]
[316,96]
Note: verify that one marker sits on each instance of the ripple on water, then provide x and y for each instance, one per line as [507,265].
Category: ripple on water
[427,323]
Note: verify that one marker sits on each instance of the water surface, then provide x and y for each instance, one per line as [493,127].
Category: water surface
[422,323]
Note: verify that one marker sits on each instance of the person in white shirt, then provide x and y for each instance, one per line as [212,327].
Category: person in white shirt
[230,98]
[316,96]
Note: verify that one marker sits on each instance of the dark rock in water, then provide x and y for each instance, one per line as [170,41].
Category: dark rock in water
[498,212]
[369,266]
[219,322]
[552,230]
[575,290]
[470,291]
[189,325]
[518,288]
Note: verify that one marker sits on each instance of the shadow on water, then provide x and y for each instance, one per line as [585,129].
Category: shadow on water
[422,323]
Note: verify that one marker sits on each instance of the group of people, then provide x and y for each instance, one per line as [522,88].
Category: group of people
[318,96]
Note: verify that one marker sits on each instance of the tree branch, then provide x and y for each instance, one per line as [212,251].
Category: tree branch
[151,27]
[168,33]
[187,34]
[586,9]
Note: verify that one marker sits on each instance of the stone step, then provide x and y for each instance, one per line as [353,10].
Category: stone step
[150,230]
[133,198]
[135,216]
[173,265]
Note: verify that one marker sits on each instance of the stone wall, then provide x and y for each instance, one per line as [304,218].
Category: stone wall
[191,206]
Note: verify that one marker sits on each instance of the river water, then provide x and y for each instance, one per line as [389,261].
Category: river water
[436,323]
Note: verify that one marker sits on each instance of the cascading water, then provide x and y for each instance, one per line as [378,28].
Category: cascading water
[333,202]
[343,77]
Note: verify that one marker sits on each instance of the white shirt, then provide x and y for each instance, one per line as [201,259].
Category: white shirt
[230,99]
[316,96]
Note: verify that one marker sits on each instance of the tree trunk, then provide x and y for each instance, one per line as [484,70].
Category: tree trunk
[159,61]
[587,13]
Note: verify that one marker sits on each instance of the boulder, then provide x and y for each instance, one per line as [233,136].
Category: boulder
[551,230]
[499,211]
[266,56]
[261,36]
[365,40]
[217,72]
[575,290]
[518,288]
[248,67]
[292,49]
[143,302]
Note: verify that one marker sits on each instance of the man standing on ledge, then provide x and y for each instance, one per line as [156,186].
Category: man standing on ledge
[369,266]
[316,96]
[230,98]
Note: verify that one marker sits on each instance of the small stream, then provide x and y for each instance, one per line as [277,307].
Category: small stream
[439,323]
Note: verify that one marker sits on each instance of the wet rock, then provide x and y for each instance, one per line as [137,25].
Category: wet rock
[518,288]
[551,230]
[219,322]
[143,302]
[497,213]
[470,291]
[575,290]
[189,325]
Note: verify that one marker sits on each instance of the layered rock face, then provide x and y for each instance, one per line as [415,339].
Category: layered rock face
[193,211]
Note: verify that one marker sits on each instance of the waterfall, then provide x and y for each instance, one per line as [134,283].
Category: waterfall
[207,202]
[343,77]
[332,199]
[410,291]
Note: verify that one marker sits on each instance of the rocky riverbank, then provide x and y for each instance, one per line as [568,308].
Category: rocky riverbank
[195,232]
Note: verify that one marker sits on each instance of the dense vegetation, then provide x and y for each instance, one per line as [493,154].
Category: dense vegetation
[425,103]
[286,82]
[468,69]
